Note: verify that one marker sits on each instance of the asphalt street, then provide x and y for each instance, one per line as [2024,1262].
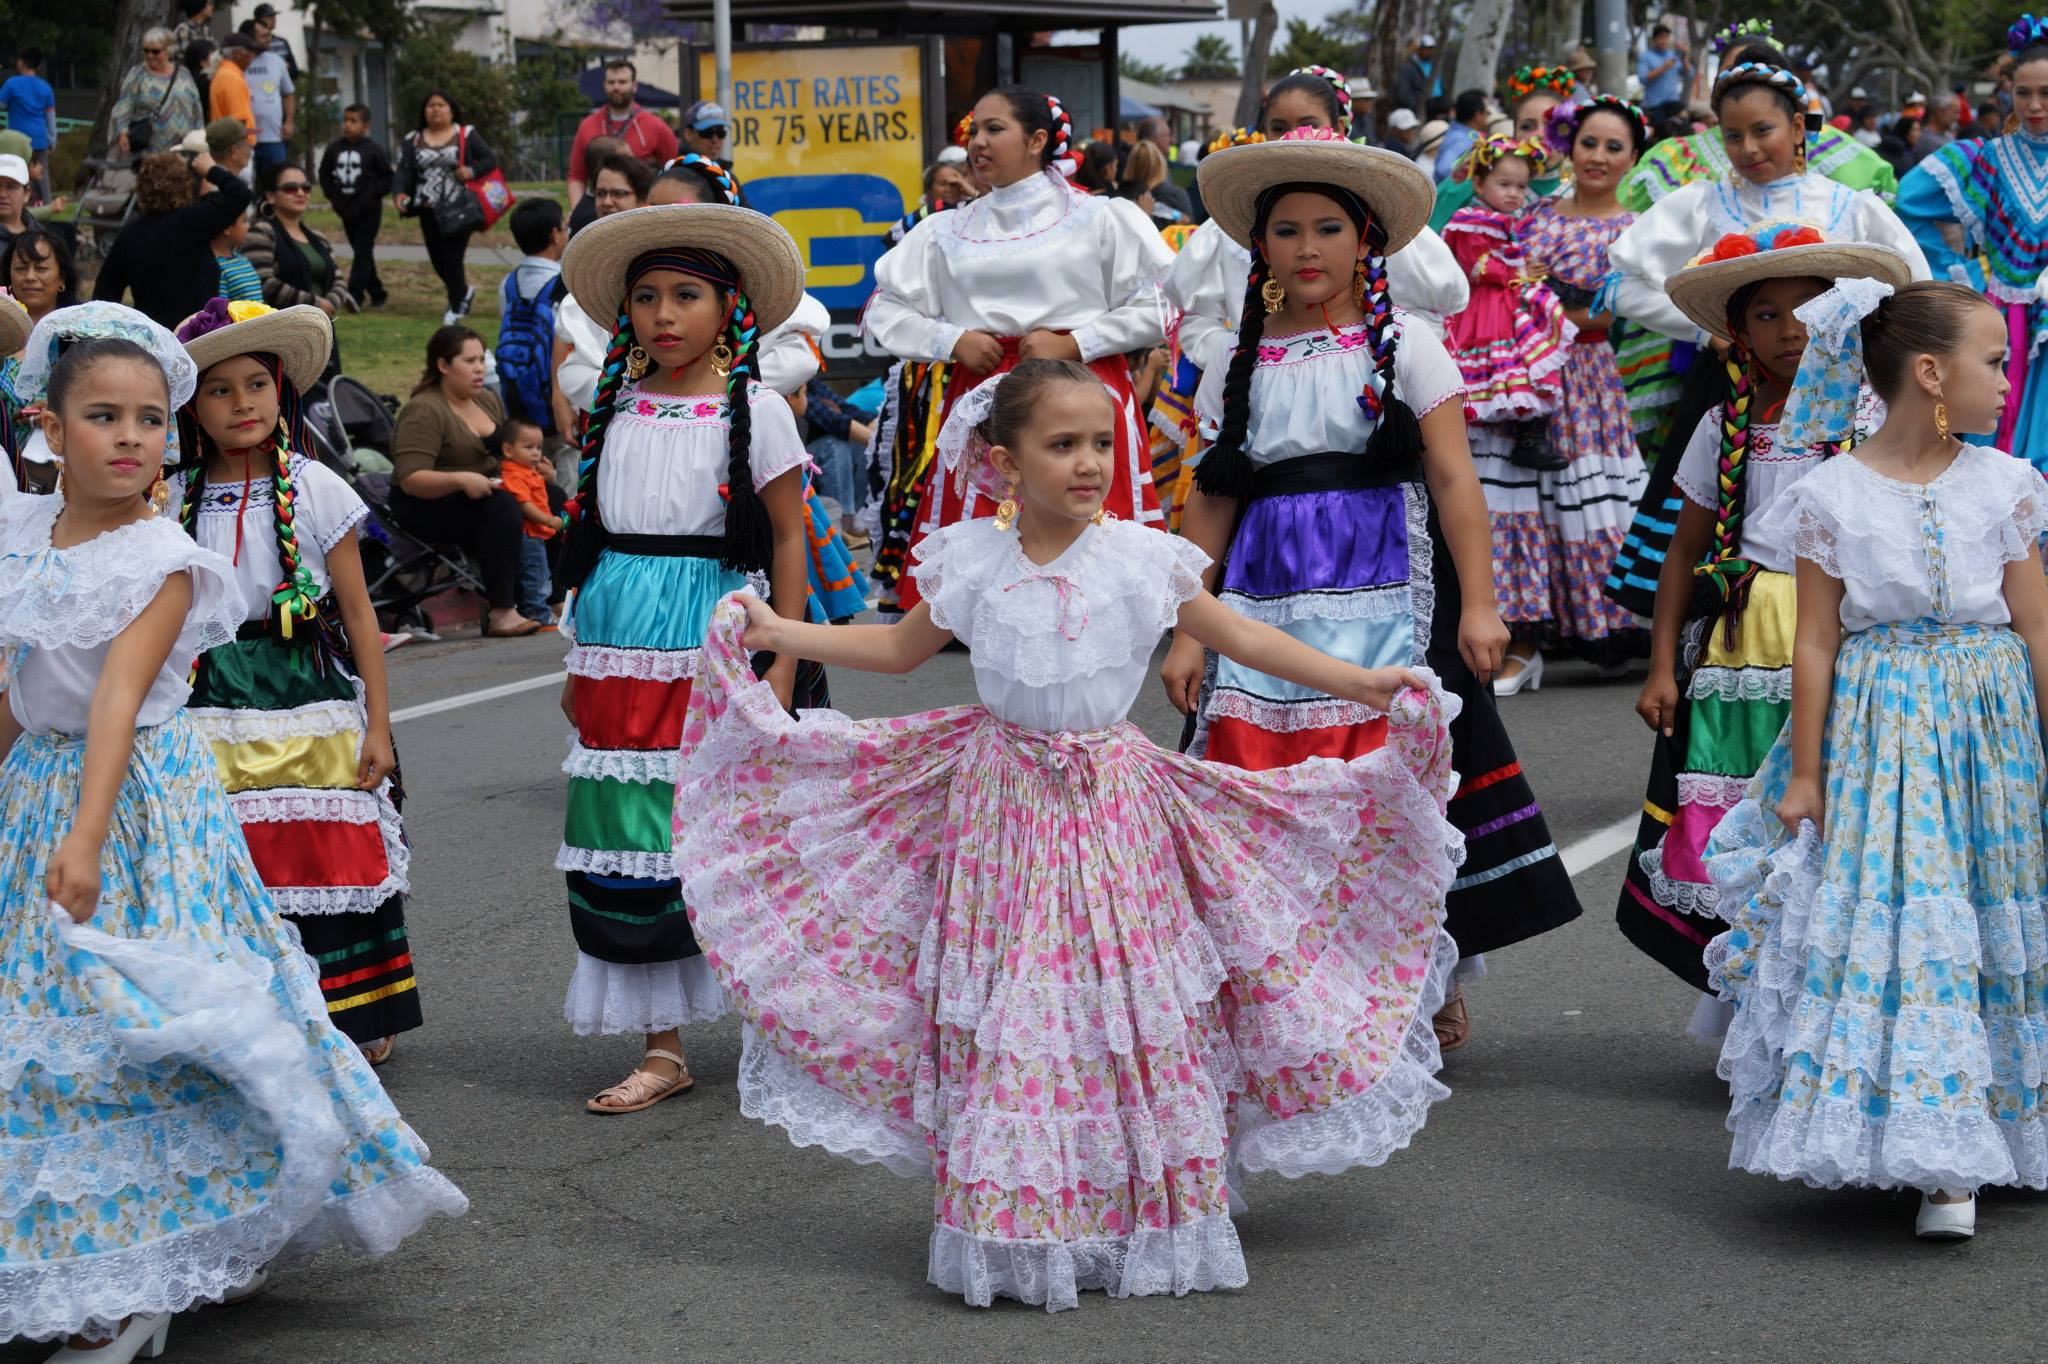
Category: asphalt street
[1571,1200]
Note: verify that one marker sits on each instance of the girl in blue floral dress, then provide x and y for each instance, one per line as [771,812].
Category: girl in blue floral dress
[1885,945]
[175,1109]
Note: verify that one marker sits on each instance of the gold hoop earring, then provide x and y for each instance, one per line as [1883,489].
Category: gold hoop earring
[721,360]
[159,495]
[1273,294]
[1006,510]
[1941,420]
[638,361]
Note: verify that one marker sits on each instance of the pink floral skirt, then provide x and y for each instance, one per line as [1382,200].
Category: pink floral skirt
[1081,982]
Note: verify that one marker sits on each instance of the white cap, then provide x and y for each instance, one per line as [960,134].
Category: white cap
[1859,93]
[1428,40]
[1401,120]
[13,168]
[952,156]
[194,143]
[1917,97]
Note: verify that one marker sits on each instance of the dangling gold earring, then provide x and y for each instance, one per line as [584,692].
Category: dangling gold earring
[2012,123]
[1358,284]
[60,480]
[721,360]
[1006,510]
[1274,294]
[1097,519]
[1941,420]
[1799,159]
[638,362]
[159,495]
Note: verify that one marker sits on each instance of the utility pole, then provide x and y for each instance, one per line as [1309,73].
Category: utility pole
[721,48]
[1610,42]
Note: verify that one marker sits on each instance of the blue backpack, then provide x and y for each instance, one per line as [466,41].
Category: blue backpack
[526,351]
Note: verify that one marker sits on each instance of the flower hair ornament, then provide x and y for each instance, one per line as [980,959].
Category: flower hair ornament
[2027,31]
[1739,32]
[1561,125]
[1821,405]
[1530,80]
[1234,137]
[1490,152]
[99,321]
[1337,84]
[1777,78]
[963,445]
[963,131]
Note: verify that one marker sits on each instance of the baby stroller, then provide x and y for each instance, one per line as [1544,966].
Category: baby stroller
[403,571]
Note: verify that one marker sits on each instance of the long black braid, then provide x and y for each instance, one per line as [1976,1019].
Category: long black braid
[1226,471]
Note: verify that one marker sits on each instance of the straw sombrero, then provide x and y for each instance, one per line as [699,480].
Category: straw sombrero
[1774,251]
[1393,187]
[14,324]
[300,337]
[771,269]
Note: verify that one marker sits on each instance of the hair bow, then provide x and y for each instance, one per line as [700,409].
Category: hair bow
[1822,404]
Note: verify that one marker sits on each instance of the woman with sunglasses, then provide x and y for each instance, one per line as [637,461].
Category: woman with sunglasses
[294,262]
[162,93]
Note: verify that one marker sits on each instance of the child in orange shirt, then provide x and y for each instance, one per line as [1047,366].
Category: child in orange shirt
[519,445]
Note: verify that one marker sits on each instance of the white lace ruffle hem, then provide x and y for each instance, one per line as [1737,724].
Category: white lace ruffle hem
[642,997]
[1192,1257]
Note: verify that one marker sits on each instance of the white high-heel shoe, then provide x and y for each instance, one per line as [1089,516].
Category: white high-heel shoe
[142,1338]
[1530,677]
[1946,1221]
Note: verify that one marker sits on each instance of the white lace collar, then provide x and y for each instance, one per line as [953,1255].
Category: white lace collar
[83,596]
[1032,207]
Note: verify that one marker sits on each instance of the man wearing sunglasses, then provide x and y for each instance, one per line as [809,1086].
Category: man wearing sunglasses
[639,130]
[705,128]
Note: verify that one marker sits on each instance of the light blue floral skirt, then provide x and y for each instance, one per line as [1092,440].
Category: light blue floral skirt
[1890,974]
[175,1109]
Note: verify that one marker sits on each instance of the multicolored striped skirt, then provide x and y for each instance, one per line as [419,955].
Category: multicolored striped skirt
[908,434]
[286,720]
[638,623]
[1734,699]
[1348,560]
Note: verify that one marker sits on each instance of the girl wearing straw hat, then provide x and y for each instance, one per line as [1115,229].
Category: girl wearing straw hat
[1766,129]
[1720,683]
[1033,269]
[1347,519]
[296,706]
[691,480]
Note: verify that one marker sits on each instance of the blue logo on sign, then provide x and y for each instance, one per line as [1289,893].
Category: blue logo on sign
[877,201]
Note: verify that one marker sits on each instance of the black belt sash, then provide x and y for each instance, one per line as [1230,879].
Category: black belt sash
[1337,471]
[669,546]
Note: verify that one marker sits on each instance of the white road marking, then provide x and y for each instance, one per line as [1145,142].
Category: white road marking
[472,698]
[1596,847]
[1582,856]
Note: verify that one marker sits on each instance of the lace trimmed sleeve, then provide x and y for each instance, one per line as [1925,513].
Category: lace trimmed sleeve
[951,565]
[1802,517]
[84,596]
[2023,526]
[1189,561]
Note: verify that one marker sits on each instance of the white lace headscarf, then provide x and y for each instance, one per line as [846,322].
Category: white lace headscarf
[100,321]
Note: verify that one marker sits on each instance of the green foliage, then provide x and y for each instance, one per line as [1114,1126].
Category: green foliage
[1149,72]
[1304,44]
[77,33]
[1211,58]
[545,94]
[430,60]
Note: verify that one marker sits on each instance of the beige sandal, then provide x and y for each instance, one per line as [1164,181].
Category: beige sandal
[378,1054]
[1453,1025]
[644,1088]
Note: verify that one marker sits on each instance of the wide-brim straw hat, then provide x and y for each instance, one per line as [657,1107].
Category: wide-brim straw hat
[1394,188]
[1702,292]
[14,325]
[301,337]
[770,266]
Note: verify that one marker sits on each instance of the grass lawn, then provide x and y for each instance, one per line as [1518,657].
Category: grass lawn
[386,347]
[397,231]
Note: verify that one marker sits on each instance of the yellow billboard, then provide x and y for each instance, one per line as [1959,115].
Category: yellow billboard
[829,141]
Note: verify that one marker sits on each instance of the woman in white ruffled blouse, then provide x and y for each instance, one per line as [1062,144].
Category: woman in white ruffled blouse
[1034,269]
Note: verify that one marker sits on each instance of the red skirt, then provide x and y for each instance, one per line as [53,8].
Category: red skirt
[1131,494]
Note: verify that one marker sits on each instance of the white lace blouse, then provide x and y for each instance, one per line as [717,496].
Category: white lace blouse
[1208,279]
[1065,645]
[60,610]
[1032,255]
[1660,242]
[1304,394]
[1909,551]
[665,459]
[326,510]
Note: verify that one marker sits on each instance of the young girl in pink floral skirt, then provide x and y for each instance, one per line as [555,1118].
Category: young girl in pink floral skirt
[1081,982]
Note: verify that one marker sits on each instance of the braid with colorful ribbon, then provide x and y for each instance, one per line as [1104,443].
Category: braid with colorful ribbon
[720,178]
[587,535]
[1396,439]
[296,596]
[1781,82]
[1226,471]
[1060,153]
[749,534]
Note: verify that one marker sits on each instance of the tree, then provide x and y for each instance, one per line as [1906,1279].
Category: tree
[1130,68]
[388,21]
[1486,32]
[129,20]
[1258,45]
[1210,59]
[1308,45]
